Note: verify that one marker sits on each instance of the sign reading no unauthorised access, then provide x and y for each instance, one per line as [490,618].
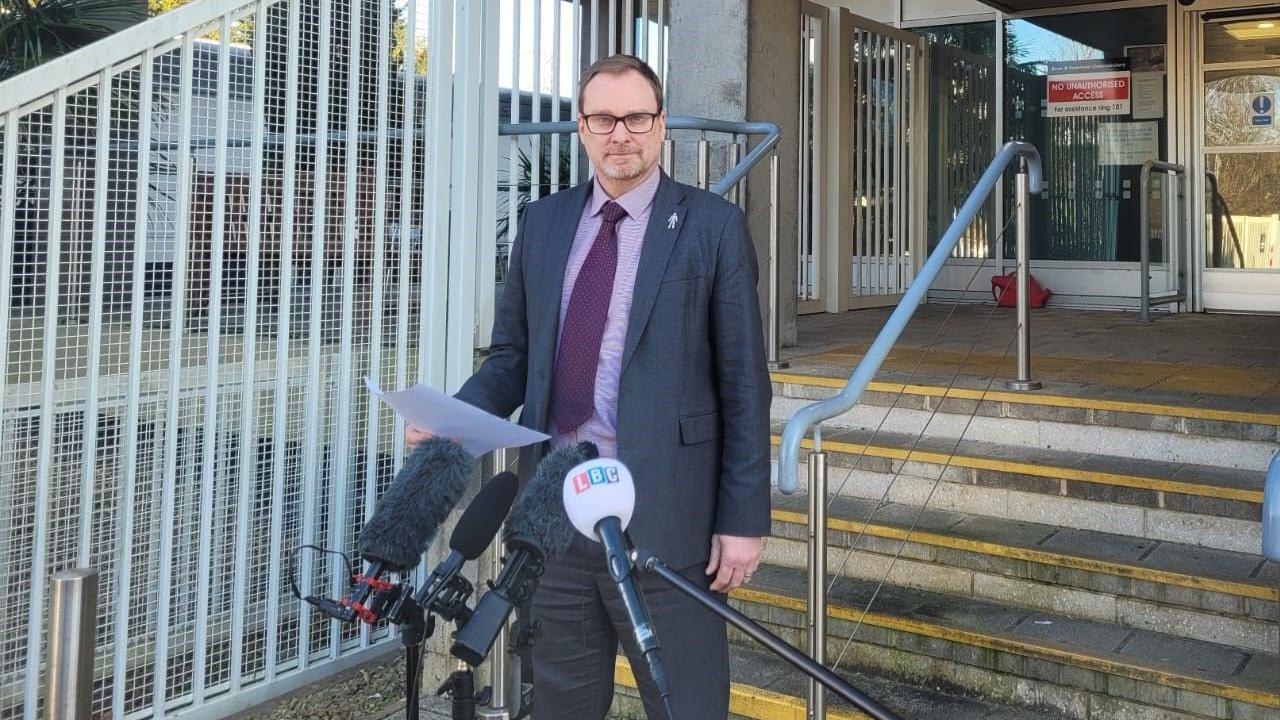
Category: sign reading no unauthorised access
[1089,87]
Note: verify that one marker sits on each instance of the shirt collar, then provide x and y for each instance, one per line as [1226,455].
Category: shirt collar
[635,201]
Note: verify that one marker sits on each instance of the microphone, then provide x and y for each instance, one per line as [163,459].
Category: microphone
[473,533]
[404,523]
[417,502]
[537,530]
[599,497]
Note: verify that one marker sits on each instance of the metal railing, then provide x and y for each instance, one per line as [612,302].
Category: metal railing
[811,416]
[1172,255]
[730,185]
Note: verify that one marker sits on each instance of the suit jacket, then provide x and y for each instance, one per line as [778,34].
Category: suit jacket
[694,392]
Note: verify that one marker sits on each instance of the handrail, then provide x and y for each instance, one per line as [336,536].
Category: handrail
[1271,511]
[770,130]
[806,417]
[1144,222]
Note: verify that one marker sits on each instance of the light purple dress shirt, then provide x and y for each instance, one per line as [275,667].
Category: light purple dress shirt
[602,427]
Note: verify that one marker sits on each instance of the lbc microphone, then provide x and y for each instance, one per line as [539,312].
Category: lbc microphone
[537,530]
[599,497]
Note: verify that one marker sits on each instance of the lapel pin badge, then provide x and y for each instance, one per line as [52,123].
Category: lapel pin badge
[671,221]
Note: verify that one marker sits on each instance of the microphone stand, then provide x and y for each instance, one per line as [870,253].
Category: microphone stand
[804,663]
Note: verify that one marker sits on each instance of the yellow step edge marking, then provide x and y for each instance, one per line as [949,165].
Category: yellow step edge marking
[1023,468]
[1137,408]
[748,701]
[1041,556]
[1018,647]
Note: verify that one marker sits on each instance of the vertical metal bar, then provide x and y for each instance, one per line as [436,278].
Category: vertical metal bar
[1022,190]
[805,187]
[124,549]
[408,143]
[372,424]
[735,157]
[661,66]
[775,270]
[8,205]
[996,239]
[535,157]
[177,333]
[816,615]
[553,162]
[669,155]
[248,407]
[279,437]
[1144,251]
[901,196]
[573,89]
[882,162]
[500,672]
[595,30]
[311,438]
[73,609]
[213,338]
[53,240]
[629,26]
[102,155]
[613,26]
[860,99]
[643,33]
[435,280]
[704,161]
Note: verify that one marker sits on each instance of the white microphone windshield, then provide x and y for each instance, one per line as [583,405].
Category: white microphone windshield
[598,489]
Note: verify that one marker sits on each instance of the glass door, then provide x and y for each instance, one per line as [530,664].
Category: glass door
[1240,82]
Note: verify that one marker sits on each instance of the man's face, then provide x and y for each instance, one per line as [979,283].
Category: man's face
[621,154]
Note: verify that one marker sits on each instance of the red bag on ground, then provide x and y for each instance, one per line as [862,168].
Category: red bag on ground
[1004,288]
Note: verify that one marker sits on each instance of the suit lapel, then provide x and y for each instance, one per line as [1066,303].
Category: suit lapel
[558,244]
[666,220]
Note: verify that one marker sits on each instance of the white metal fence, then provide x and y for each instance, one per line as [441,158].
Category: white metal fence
[212,226]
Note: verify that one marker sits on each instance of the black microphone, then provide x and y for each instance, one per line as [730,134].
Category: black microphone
[473,533]
[537,530]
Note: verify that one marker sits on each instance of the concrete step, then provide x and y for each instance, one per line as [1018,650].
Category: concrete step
[1176,502]
[765,687]
[1070,424]
[1081,668]
[1211,595]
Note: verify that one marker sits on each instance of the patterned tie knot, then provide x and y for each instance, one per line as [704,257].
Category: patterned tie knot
[612,212]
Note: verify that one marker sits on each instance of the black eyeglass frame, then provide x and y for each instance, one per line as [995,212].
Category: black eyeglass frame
[625,120]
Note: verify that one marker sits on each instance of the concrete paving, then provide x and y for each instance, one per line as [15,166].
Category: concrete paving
[1227,362]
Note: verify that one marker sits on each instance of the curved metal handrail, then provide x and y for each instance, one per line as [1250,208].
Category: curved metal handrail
[770,131]
[806,417]
[1271,511]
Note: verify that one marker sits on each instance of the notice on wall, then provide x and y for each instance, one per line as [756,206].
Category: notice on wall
[1128,143]
[1262,109]
[1089,87]
[1146,68]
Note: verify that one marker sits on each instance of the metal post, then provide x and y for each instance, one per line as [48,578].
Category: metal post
[817,610]
[775,279]
[704,162]
[1023,198]
[73,613]
[735,156]
[669,156]
[499,670]
[1144,242]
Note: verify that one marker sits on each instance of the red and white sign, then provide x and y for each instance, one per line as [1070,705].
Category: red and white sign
[1089,87]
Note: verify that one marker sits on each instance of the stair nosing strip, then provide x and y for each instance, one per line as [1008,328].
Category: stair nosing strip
[1036,470]
[1167,577]
[1018,647]
[1069,401]
[778,706]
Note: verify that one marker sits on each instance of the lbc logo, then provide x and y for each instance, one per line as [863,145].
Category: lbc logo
[582,482]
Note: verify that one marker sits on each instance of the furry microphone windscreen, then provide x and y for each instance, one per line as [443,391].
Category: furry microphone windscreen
[421,496]
[539,515]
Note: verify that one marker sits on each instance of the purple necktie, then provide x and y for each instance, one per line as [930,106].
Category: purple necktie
[573,395]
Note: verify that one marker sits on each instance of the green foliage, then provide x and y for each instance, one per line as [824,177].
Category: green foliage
[34,31]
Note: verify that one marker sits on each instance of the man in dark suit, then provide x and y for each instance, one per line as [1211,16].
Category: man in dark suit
[630,318]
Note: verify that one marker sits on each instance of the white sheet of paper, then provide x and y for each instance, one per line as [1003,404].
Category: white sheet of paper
[477,431]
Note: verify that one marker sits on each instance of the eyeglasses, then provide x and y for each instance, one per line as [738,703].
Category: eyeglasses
[635,122]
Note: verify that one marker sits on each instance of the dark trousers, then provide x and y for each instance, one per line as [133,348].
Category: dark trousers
[583,619]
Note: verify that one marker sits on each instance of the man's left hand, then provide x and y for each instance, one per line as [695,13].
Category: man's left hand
[733,560]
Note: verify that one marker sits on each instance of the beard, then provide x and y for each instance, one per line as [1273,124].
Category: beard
[632,166]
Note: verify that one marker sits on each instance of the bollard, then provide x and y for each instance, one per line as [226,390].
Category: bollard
[73,614]
[817,610]
[1022,191]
